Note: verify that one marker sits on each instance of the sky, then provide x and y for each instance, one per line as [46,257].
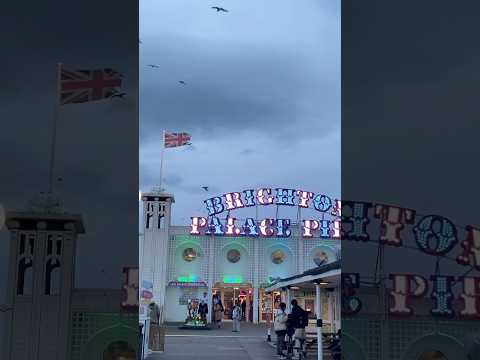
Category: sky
[97,142]
[410,120]
[261,100]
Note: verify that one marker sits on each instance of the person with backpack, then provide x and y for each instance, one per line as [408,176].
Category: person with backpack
[236,317]
[299,320]
[280,328]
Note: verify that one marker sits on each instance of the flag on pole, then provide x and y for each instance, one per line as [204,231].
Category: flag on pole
[176,139]
[79,86]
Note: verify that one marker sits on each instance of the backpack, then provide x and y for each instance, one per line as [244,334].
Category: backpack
[235,313]
[303,319]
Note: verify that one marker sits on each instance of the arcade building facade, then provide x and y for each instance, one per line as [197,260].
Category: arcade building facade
[184,263]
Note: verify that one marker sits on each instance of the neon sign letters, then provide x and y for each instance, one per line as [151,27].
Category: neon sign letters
[433,235]
[212,224]
[407,288]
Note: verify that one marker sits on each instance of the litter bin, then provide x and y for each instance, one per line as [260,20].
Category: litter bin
[154,337]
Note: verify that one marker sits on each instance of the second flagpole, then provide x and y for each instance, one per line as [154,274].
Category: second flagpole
[161,161]
[54,131]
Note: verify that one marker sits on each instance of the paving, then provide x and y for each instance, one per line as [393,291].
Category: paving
[248,344]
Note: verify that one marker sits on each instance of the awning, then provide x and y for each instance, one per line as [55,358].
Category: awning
[329,273]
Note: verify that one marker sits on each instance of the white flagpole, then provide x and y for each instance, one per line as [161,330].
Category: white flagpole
[161,161]
[54,134]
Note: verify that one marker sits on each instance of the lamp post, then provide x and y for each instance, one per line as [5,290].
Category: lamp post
[318,311]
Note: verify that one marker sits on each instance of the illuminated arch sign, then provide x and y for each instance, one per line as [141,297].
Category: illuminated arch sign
[213,224]
[434,236]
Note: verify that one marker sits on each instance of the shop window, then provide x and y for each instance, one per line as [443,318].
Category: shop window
[320,258]
[233,256]
[52,277]
[277,257]
[189,255]
[161,221]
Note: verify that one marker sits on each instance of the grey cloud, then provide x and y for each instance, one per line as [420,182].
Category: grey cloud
[247,151]
[173,180]
[242,78]
[260,84]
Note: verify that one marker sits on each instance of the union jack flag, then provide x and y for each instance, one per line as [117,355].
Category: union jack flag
[176,139]
[78,86]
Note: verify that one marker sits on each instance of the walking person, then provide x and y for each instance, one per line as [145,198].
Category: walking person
[280,328]
[154,337]
[244,309]
[218,311]
[236,317]
[299,321]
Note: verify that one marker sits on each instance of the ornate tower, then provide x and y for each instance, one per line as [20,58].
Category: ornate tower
[154,241]
[40,282]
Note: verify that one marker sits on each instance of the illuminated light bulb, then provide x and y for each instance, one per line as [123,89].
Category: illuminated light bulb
[264,199]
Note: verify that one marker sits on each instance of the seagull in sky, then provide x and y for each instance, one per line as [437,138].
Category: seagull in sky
[205,188]
[219,9]
[118,94]
[182,82]
[153,66]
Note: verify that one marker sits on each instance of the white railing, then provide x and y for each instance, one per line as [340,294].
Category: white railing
[145,321]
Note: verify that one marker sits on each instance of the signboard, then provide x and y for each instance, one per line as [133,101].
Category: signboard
[146,293]
[324,227]
[183,284]
[188,295]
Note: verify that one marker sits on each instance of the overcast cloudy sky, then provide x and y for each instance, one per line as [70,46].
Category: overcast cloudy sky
[97,142]
[262,99]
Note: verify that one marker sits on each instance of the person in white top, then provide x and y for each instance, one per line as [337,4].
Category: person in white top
[280,327]
[236,317]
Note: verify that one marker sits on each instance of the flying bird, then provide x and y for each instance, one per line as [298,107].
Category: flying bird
[219,9]
[139,41]
[182,82]
[205,188]
[120,95]
[153,66]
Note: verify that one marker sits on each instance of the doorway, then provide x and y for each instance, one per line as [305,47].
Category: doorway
[269,304]
[228,293]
